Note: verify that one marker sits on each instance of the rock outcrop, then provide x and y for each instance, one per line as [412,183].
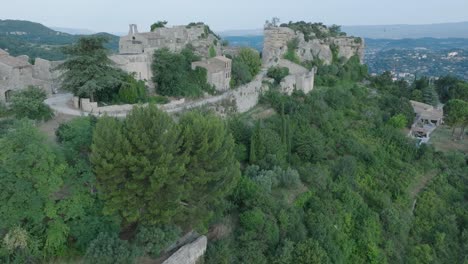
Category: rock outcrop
[276,46]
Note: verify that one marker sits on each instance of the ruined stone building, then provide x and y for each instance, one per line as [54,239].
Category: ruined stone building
[17,73]
[174,38]
[428,118]
[299,78]
[218,71]
[136,49]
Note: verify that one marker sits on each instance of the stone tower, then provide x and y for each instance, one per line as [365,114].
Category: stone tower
[133,29]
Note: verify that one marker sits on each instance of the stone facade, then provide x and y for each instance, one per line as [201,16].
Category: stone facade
[218,71]
[299,78]
[427,120]
[175,39]
[17,73]
[276,45]
[136,49]
[137,64]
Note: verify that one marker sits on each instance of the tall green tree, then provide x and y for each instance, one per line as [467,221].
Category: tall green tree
[173,75]
[251,58]
[139,166]
[456,115]
[212,169]
[89,70]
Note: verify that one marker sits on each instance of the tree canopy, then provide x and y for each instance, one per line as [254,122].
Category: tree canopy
[89,71]
[186,167]
[173,74]
[29,103]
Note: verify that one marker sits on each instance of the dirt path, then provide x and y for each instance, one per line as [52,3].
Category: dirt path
[419,186]
[50,126]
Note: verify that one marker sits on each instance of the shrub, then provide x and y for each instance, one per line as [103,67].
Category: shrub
[29,103]
[132,91]
[3,109]
[251,58]
[288,178]
[109,249]
[159,24]
[278,73]
[240,73]
[155,240]
[291,52]
[212,51]
[398,121]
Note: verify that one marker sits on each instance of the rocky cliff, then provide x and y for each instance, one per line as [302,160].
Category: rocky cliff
[308,48]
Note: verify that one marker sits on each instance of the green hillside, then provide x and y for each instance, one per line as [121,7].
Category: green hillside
[36,40]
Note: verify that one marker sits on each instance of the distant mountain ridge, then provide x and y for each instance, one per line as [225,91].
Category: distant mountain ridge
[441,30]
[20,37]
[74,31]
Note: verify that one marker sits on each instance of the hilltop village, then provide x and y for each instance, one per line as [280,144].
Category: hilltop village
[180,148]
[136,55]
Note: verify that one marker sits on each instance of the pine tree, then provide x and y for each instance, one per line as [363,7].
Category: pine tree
[255,145]
[212,169]
[139,166]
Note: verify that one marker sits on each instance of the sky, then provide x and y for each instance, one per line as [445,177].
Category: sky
[115,15]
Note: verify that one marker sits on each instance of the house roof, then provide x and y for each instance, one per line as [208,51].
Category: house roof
[426,111]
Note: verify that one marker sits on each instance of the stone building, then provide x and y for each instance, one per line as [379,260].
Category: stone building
[218,71]
[428,118]
[136,49]
[299,78]
[175,39]
[17,73]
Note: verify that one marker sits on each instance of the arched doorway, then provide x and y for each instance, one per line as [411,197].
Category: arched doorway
[8,95]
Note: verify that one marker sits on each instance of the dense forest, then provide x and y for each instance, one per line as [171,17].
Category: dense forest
[326,177]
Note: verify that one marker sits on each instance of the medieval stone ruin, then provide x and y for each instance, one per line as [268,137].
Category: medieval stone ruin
[16,73]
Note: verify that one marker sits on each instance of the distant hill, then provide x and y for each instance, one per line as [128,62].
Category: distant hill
[443,30]
[21,37]
[74,31]
[241,32]
[255,42]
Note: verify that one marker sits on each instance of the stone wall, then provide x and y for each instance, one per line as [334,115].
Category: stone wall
[174,38]
[16,73]
[139,64]
[277,38]
[247,95]
[190,253]
[299,78]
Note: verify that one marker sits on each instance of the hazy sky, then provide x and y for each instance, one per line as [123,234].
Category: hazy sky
[115,15]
